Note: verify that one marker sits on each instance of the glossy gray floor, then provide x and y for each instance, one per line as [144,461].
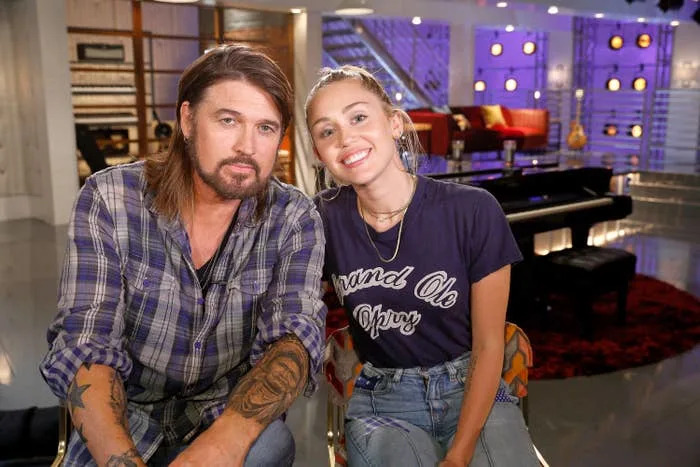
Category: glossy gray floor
[648,416]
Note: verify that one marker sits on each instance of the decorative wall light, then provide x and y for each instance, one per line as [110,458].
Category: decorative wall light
[511,84]
[510,28]
[610,129]
[613,84]
[635,131]
[643,40]
[537,95]
[496,49]
[616,42]
[480,86]
[529,48]
[639,84]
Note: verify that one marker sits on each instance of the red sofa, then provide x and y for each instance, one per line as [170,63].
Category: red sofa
[528,127]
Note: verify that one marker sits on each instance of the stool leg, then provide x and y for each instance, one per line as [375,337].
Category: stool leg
[622,303]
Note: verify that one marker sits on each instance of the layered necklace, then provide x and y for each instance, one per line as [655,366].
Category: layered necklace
[383,217]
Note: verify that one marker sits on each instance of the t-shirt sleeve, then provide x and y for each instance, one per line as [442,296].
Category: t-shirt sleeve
[491,242]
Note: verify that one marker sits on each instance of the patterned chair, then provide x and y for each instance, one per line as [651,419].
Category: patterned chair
[341,366]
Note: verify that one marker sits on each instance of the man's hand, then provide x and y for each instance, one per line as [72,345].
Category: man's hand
[260,397]
[216,446]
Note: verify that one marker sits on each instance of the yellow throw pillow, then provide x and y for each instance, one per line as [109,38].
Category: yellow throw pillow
[462,122]
[492,115]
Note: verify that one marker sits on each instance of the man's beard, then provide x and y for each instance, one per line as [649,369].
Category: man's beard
[231,186]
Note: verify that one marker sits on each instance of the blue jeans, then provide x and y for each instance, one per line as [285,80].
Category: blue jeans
[408,417]
[274,447]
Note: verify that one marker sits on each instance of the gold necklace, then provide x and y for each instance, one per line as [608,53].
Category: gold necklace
[398,240]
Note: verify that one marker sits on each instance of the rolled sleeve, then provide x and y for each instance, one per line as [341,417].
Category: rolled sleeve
[89,325]
[293,303]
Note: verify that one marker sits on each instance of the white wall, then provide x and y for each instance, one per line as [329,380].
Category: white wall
[44,140]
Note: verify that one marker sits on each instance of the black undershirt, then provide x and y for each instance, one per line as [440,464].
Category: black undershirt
[204,268]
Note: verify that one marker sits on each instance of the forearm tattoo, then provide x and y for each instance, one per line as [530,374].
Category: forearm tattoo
[128,458]
[117,400]
[272,385]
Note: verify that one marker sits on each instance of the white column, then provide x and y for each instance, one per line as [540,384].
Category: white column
[461,64]
[60,178]
[308,39]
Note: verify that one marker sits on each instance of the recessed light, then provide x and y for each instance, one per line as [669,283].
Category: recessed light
[295,11]
[502,4]
[675,23]
[398,96]
[416,20]
[641,20]
[480,86]
[510,28]
[553,10]
[599,15]
[537,94]
[511,84]
[496,49]
[529,48]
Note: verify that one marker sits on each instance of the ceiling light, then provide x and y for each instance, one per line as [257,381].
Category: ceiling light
[511,84]
[398,96]
[599,15]
[635,131]
[641,20]
[480,86]
[675,23]
[496,49]
[510,28]
[553,10]
[613,84]
[529,48]
[502,4]
[416,20]
[537,94]
[354,8]
[295,11]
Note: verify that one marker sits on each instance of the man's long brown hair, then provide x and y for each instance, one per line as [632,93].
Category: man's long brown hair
[169,174]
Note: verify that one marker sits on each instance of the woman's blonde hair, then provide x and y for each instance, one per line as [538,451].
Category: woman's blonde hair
[408,145]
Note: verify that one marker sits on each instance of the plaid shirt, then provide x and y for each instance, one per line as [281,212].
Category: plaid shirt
[129,298]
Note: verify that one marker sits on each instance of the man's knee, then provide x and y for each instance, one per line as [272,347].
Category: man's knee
[274,447]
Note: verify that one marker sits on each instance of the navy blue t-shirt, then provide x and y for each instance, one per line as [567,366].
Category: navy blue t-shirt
[414,311]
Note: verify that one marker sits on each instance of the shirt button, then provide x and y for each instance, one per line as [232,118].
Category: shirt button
[197,345]
[200,301]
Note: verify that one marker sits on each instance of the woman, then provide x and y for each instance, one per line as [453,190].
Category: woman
[423,269]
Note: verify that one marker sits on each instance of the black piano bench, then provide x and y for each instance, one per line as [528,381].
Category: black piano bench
[585,273]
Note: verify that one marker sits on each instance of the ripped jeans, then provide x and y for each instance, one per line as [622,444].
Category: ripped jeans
[408,417]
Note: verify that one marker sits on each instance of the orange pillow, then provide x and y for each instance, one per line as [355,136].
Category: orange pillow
[493,115]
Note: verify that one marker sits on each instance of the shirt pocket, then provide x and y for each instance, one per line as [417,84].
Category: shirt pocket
[150,299]
[244,300]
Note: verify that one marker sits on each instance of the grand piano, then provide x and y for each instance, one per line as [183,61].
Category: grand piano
[542,199]
[553,199]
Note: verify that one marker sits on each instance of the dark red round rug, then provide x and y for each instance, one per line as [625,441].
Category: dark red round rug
[662,321]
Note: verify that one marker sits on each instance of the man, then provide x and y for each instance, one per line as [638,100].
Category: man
[189,314]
